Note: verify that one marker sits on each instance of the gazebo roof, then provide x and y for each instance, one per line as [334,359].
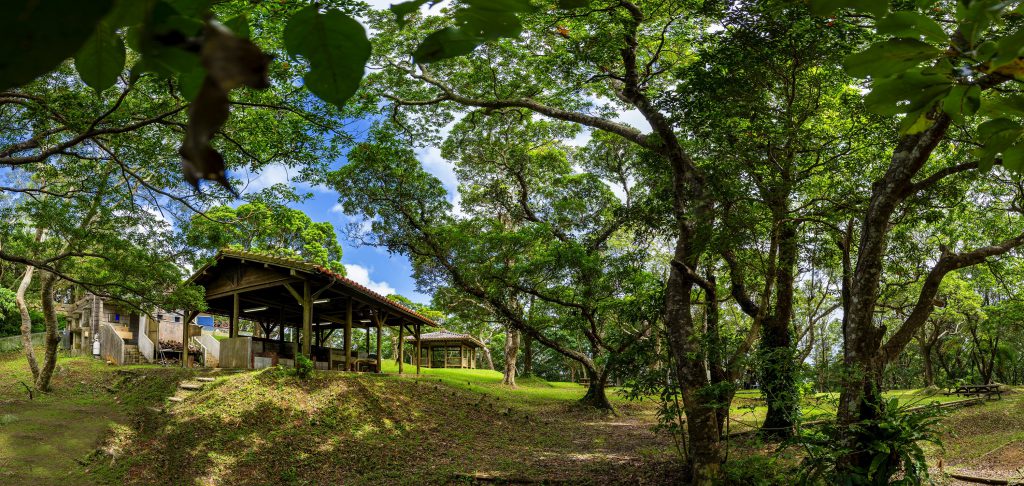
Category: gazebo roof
[446,335]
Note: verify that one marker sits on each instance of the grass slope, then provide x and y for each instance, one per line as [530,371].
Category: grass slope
[267,426]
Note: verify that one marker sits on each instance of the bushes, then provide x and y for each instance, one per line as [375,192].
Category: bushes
[303,366]
[893,440]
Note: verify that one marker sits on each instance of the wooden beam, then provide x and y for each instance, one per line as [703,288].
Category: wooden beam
[307,318]
[380,359]
[348,336]
[295,293]
[419,347]
[401,343]
[233,326]
[324,289]
[184,337]
[250,288]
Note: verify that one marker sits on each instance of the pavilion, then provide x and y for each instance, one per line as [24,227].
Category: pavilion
[445,349]
[281,294]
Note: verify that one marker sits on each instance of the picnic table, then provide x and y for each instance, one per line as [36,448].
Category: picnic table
[971,390]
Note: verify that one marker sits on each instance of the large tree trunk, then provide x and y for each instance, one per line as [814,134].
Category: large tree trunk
[778,366]
[511,351]
[596,396]
[527,355]
[52,337]
[929,368]
[26,322]
[690,368]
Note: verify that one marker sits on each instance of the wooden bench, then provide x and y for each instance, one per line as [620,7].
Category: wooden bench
[990,390]
[585,382]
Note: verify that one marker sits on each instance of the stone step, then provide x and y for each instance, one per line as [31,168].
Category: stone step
[205,379]
[175,399]
[190,386]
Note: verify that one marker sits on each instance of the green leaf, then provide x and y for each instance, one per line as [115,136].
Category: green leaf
[191,8]
[962,101]
[190,82]
[1013,158]
[487,24]
[336,48]
[905,92]
[521,6]
[572,4]
[404,9]
[38,35]
[445,43]
[996,136]
[1009,49]
[889,57]
[101,59]
[828,7]
[911,25]
[918,121]
[239,25]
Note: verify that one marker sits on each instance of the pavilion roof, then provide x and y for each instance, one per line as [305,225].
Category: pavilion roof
[446,335]
[299,265]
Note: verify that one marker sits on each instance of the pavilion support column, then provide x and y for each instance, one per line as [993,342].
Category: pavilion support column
[401,341]
[380,360]
[307,319]
[185,337]
[233,326]
[419,347]
[348,336]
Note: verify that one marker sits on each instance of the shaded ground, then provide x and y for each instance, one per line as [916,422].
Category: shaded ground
[985,441]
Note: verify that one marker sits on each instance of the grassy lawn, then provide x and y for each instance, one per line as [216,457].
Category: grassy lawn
[43,440]
[104,425]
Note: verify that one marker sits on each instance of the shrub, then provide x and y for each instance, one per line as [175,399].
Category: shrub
[303,366]
[893,439]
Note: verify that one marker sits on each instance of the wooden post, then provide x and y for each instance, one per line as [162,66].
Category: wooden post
[367,339]
[307,319]
[419,347]
[233,326]
[380,359]
[184,341]
[401,341]
[348,336]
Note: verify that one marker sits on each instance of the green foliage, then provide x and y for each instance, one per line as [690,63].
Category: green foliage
[265,227]
[893,440]
[924,70]
[336,48]
[39,35]
[303,366]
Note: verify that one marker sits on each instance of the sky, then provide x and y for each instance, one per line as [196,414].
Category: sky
[374,267]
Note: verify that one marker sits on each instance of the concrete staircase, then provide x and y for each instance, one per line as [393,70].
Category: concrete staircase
[188,388]
[132,355]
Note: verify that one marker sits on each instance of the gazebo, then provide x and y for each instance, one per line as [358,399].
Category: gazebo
[281,294]
[445,349]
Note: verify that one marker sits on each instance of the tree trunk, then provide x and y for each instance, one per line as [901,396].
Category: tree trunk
[778,366]
[692,372]
[511,350]
[490,359]
[527,355]
[26,322]
[596,396]
[929,368]
[52,337]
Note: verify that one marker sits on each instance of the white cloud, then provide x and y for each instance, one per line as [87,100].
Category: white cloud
[337,209]
[437,166]
[361,275]
[276,174]
[634,119]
